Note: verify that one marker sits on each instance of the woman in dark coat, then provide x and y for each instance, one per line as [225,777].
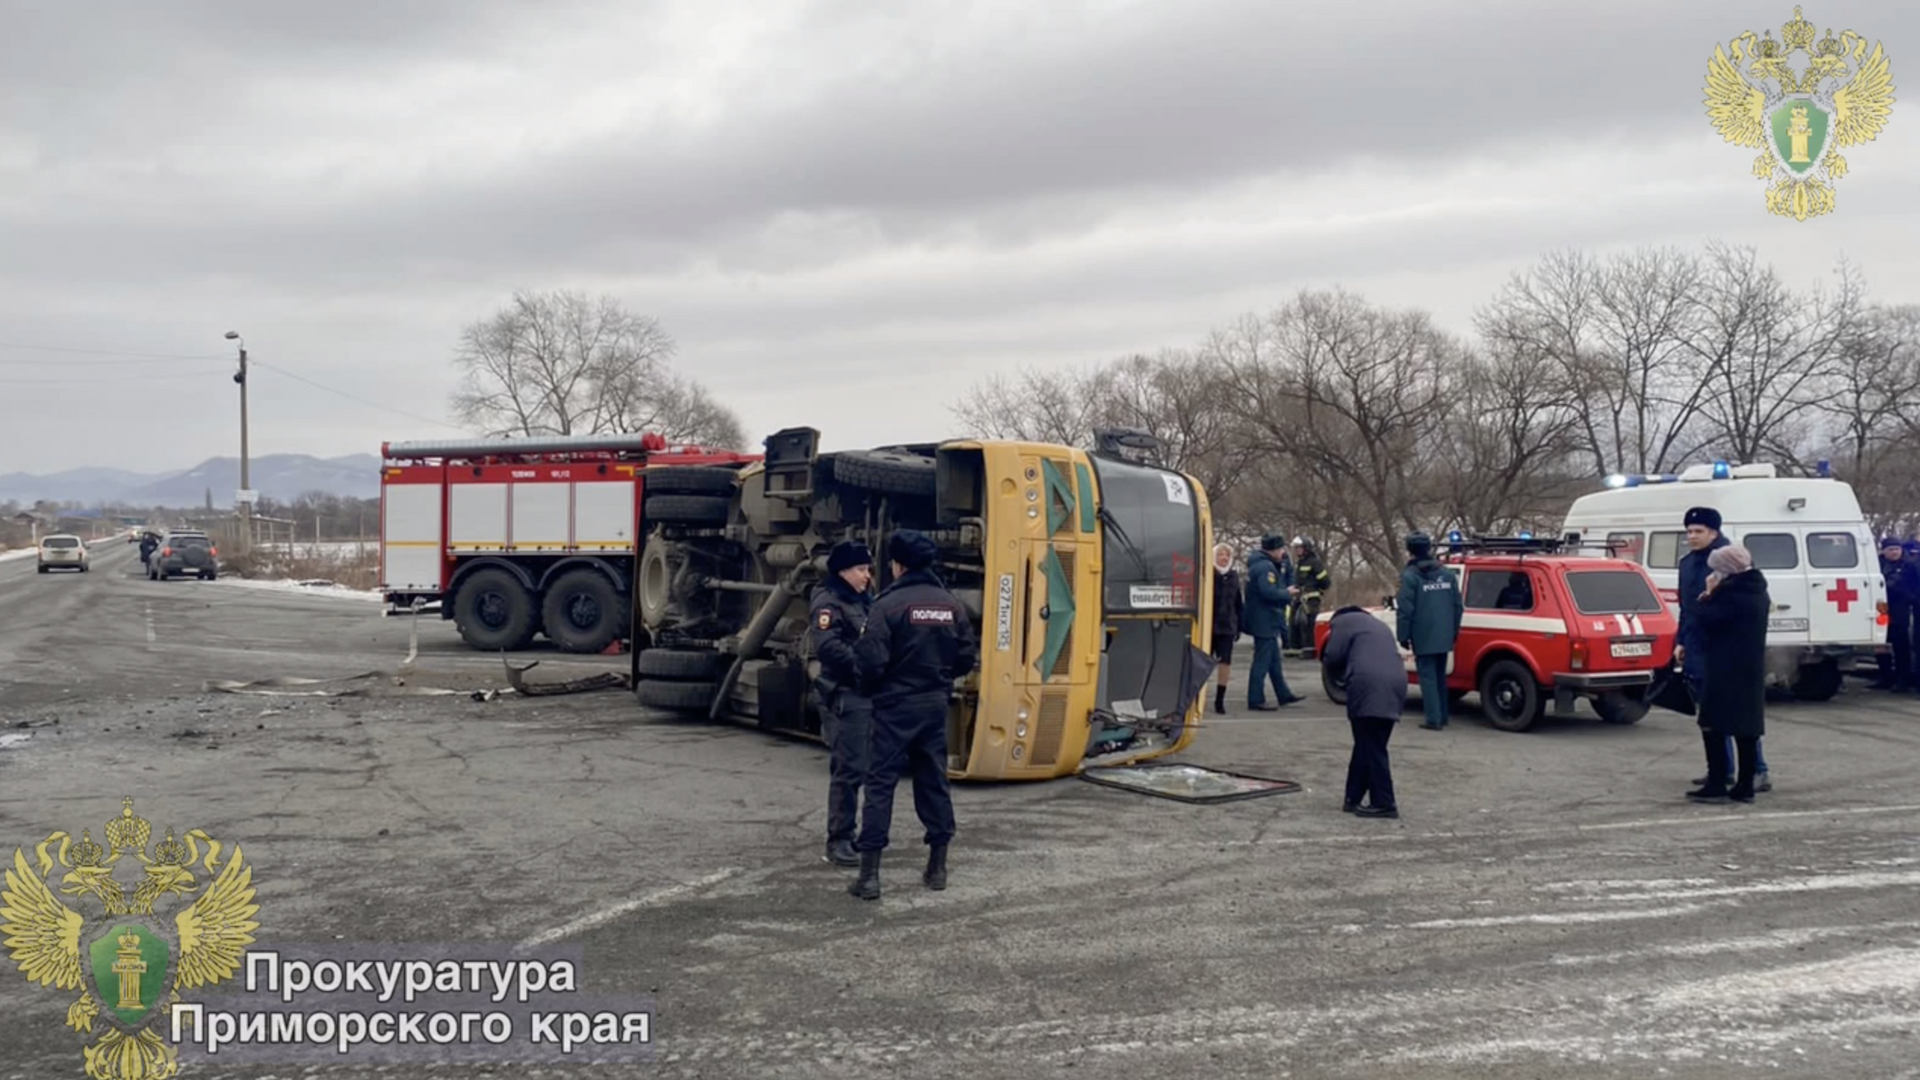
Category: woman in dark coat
[1733,627]
[1361,650]
[1228,608]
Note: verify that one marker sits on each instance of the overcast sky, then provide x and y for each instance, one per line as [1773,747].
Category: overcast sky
[829,205]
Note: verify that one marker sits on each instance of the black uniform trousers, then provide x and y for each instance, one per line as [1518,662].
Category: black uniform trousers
[910,739]
[1900,640]
[847,724]
[1367,770]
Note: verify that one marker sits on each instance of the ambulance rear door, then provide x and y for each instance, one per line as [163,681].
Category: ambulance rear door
[1776,549]
[1844,584]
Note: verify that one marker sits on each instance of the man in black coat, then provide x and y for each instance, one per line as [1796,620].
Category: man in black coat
[1903,594]
[839,613]
[1703,538]
[919,639]
[1732,616]
[1362,648]
[1228,606]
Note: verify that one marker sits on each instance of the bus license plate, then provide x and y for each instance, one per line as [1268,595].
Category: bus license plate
[1633,648]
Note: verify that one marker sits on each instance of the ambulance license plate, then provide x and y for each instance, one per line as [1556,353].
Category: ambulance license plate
[1633,648]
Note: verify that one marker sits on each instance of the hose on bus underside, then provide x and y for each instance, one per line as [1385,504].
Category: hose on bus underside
[762,627]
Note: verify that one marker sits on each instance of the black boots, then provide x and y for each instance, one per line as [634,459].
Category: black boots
[867,885]
[936,875]
[841,853]
[1219,701]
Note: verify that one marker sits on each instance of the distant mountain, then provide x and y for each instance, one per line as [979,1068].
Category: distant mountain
[90,484]
[275,476]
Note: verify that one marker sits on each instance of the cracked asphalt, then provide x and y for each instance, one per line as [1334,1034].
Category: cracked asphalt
[1548,906]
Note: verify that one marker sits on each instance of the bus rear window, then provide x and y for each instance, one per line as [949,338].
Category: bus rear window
[1612,592]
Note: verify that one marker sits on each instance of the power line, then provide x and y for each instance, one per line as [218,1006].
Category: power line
[102,352]
[352,397]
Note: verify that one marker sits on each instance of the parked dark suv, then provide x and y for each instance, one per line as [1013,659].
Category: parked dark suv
[184,551]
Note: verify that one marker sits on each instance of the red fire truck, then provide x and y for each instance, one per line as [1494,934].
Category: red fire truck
[511,538]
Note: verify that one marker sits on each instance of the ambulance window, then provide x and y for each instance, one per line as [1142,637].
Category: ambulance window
[1773,551]
[1628,546]
[1832,551]
[1663,550]
[1500,590]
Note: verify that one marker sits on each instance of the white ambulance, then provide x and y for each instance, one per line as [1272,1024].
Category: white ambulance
[1807,535]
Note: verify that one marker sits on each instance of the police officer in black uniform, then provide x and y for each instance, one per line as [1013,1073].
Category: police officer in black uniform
[918,640]
[839,611]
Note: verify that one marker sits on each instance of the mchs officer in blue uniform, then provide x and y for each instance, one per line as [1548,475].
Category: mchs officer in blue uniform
[839,610]
[918,640]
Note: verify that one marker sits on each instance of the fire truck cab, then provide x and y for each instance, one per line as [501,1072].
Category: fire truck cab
[1807,535]
[510,538]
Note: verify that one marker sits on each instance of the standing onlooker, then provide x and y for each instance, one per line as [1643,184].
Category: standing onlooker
[1703,537]
[1265,619]
[1903,591]
[1732,620]
[1228,607]
[839,606]
[1430,611]
[1362,649]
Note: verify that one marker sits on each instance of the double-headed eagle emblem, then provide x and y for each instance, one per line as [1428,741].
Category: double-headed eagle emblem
[129,966]
[1840,97]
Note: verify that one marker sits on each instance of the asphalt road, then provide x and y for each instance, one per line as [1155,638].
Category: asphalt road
[1548,906]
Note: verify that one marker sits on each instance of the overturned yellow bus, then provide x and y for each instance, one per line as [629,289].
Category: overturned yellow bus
[1084,572]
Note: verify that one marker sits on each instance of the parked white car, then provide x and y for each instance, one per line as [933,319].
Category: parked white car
[63,549]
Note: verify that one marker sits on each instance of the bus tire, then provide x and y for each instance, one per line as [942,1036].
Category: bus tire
[889,472]
[493,611]
[690,480]
[583,612]
[683,665]
[669,696]
[688,509]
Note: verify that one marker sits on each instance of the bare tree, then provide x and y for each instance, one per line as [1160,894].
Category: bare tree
[1509,444]
[1060,406]
[563,363]
[1768,357]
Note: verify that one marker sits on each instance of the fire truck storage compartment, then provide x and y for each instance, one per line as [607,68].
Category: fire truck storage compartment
[410,531]
[537,515]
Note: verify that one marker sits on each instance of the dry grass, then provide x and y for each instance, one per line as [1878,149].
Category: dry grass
[352,567]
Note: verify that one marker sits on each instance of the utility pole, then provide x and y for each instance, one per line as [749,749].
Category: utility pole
[246,499]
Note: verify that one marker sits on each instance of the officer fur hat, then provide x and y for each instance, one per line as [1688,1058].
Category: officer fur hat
[1419,545]
[1890,542]
[848,554]
[912,549]
[1703,515]
[1273,542]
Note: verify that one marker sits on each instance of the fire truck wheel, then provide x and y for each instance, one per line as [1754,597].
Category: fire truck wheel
[692,480]
[672,696]
[583,612]
[688,509]
[683,665]
[1510,696]
[1335,686]
[890,472]
[493,611]
[1617,707]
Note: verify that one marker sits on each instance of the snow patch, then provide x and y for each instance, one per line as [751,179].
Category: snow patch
[305,587]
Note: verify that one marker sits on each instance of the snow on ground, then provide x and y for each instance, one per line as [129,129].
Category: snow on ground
[308,587]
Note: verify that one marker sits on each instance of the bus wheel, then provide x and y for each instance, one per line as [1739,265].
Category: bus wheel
[493,611]
[683,665]
[583,612]
[889,472]
[1510,697]
[1817,681]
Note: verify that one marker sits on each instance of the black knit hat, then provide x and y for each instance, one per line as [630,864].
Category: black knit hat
[912,549]
[847,555]
[1419,545]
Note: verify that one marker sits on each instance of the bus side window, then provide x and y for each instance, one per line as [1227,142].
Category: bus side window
[1773,551]
[1628,546]
[1663,550]
[1832,551]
